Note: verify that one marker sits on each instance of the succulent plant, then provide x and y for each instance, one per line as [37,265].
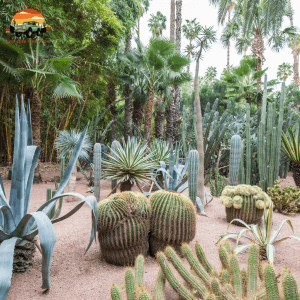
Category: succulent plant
[173,220]
[123,227]
[244,202]
[217,186]
[265,241]
[202,281]
[17,226]
[235,157]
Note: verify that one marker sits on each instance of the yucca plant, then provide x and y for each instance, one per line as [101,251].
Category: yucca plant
[129,163]
[65,143]
[17,226]
[291,148]
[264,237]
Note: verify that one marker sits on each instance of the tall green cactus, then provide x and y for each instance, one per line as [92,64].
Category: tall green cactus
[114,144]
[269,140]
[97,170]
[193,165]
[184,142]
[248,146]
[173,220]
[119,215]
[235,157]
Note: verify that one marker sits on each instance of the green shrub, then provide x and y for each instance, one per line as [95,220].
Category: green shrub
[286,200]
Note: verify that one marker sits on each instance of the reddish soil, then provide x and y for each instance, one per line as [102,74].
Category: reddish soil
[78,276]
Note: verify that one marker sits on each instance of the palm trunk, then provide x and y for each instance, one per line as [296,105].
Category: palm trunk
[296,68]
[128,112]
[36,118]
[148,113]
[110,98]
[172,21]
[137,115]
[159,121]
[170,116]
[258,53]
[228,46]
[200,148]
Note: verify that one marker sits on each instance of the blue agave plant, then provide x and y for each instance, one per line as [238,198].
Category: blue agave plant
[19,226]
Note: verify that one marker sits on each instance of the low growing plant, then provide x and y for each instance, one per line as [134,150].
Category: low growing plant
[17,226]
[263,237]
[217,186]
[286,200]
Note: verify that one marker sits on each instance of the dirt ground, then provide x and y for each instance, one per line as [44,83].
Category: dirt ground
[78,276]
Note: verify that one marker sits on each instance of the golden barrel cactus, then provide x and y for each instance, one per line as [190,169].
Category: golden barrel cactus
[173,220]
[244,202]
[123,227]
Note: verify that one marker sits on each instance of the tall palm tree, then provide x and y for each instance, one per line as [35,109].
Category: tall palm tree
[294,44]
[36,67]
[172,21]
[143,6]
[211,73]
[157,23]
[284,71]
[206,36]
[190,31]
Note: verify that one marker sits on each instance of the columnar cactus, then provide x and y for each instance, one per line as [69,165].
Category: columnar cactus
[244,202]
[123,227]
[97,170]
[173,220]
[235,157]
[193,165]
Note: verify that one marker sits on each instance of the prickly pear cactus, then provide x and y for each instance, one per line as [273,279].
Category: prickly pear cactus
[244,202]
[123,227]
[173,220]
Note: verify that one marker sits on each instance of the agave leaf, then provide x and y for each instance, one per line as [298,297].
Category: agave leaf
[270,253]
[183,187]
[4,236]
[29,138]
[240,249]
[69,169]
[276,233]
[226,236]
[240,234]
[288,237]
[240,221]
[163,166]
[2,191]
[200,205]
[147,194]
[7,248]
[8,218]
[257,234]
[153,179]
[32,155]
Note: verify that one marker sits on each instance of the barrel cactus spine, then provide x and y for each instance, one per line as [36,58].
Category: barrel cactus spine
[235,157]
[193,165]
[120,214]
[244,202]
[173,220]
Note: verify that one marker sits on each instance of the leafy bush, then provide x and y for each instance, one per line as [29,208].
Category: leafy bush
[286,200]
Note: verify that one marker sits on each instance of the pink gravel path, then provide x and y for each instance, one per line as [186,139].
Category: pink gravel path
[75,276]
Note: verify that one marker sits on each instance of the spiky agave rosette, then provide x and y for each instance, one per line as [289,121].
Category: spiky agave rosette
[244,202]
[123,227]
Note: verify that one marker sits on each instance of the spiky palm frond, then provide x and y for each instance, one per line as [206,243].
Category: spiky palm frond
[161,151]
[129,161]
[67,140]
[291,145]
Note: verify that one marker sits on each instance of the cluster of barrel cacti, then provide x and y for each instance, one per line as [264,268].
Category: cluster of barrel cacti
[126,219]
[203,281]
[244,202]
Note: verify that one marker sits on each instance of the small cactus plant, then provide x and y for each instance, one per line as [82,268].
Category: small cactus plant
[244,202]
[123,227]
[173,220]
[235,158]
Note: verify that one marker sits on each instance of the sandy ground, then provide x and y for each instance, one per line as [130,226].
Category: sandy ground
[78,276]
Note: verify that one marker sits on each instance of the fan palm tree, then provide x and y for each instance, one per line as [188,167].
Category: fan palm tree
[206,36]
[157,23]
[190,31]
[211,73]
[284,71]
[37,68]
[144,6]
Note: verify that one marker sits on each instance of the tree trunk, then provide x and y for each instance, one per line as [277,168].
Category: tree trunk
[159,121]
[110,98]
[172,21]
[148,113]
[128,112]
[126,186]
[296,67]
[200,148]
[170,111]
[137,115]
[258,53]
[36,119]
[177,89]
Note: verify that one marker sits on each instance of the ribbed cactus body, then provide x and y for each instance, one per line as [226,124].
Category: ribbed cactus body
[123,227]
[271,283]
[290,287]
[193,166]
[235,157]
[244,202]
[97,170]
[173,220]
